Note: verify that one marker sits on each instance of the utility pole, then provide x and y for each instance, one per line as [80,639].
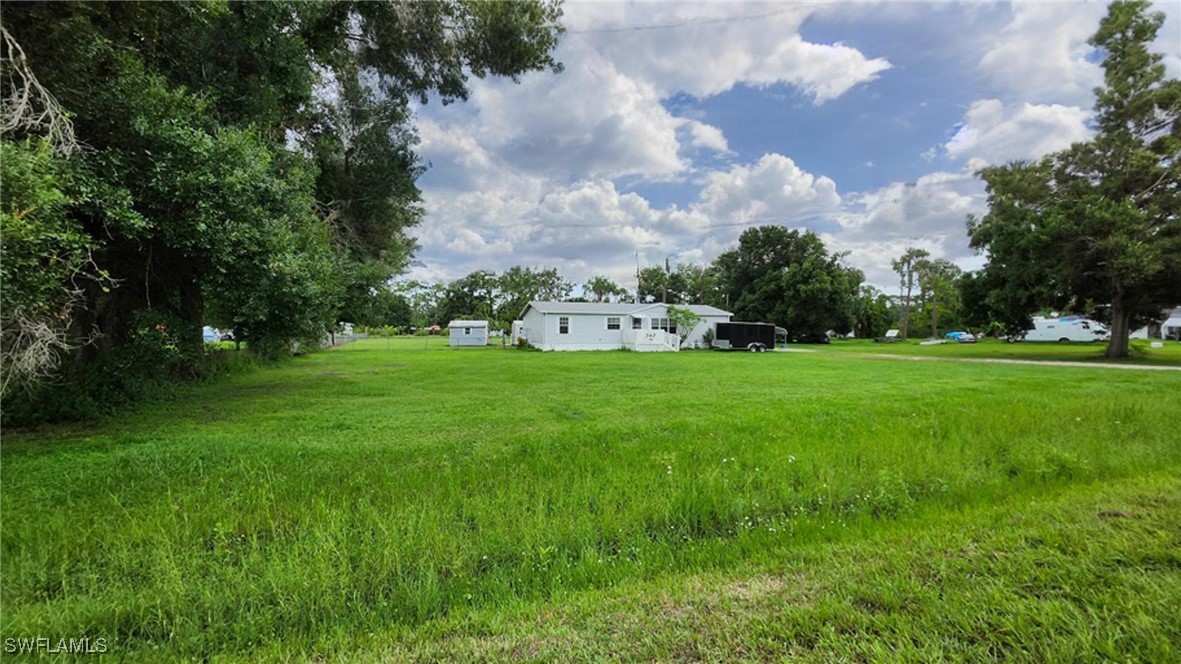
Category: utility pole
[637,277]
[664,294]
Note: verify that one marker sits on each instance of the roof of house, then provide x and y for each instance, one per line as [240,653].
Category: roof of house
[616,308]
[468,323]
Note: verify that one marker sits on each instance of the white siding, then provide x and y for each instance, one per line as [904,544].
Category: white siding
[469,336]
[468,332]
[586,332]
[533,327]
[695,338]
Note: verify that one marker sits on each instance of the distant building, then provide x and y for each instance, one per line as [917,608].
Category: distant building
[469,332]
[1170,328]
[610,326]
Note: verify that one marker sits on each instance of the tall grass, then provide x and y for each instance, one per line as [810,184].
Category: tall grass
[391,482]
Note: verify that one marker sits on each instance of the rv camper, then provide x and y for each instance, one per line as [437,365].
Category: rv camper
[1065,329]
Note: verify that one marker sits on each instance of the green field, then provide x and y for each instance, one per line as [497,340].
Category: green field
[398,499]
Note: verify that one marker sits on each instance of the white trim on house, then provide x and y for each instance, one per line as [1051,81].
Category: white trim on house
[591,326]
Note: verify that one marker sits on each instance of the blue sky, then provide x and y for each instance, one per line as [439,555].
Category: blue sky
[675,126]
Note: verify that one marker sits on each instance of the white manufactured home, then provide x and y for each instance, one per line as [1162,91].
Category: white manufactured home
[469,332]
[610,326]
[1169,329]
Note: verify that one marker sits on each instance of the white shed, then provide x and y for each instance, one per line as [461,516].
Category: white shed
[610,326]
[469,332]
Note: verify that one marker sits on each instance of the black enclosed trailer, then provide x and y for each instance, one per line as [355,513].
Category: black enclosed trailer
[755,337]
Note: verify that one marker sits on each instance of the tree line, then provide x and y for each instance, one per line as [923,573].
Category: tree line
[246,165]
[775,274]
[252,166]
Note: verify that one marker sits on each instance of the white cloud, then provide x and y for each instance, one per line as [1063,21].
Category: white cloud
[758,45]
[1041,55]
[1168,40]
[545,172]
[930,213]
[995,134]
[706,136]
[467,241]
[775,189]
[589,121]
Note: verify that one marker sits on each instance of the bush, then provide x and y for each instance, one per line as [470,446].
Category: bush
[164,353]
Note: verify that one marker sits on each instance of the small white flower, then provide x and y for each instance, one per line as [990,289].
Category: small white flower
[791,458]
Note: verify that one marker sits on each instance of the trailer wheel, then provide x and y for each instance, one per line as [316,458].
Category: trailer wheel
[1064,340]
[762,348]
[754,348]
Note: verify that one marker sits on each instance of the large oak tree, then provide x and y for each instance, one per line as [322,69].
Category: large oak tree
[245,164]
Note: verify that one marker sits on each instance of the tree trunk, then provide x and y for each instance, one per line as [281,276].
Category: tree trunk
[1120,316]
[906,313]
[935,317]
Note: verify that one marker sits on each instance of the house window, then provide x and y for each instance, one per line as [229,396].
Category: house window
[664,324]
[613,323]
[563,325]
[467,330]
[637,323]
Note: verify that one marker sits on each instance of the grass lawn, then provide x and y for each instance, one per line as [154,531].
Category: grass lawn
[1141,353]
[399,499]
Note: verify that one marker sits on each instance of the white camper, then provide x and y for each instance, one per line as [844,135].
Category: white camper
[1067,328]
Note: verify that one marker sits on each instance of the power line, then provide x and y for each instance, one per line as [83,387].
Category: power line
[683,24]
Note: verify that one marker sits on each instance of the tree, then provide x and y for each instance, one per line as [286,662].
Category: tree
[470,297]
[653,284]
[684,319]
[247,164]
[937,281]
[789,278]
[424,300]
[872,313]
[700,284]
[389,309]
[602,289]
[1099,223]
[518,286]
[906,266]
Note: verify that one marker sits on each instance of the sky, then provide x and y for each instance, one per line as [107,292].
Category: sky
[676,126]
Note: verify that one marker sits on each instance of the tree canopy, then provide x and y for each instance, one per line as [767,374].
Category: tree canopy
[787,277]
[1097,226]
[250,165]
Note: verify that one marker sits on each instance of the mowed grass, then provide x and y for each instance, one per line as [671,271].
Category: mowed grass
[366,500]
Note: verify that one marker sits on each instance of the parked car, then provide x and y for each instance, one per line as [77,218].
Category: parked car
[954,336]
[966,338]
[808,338]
